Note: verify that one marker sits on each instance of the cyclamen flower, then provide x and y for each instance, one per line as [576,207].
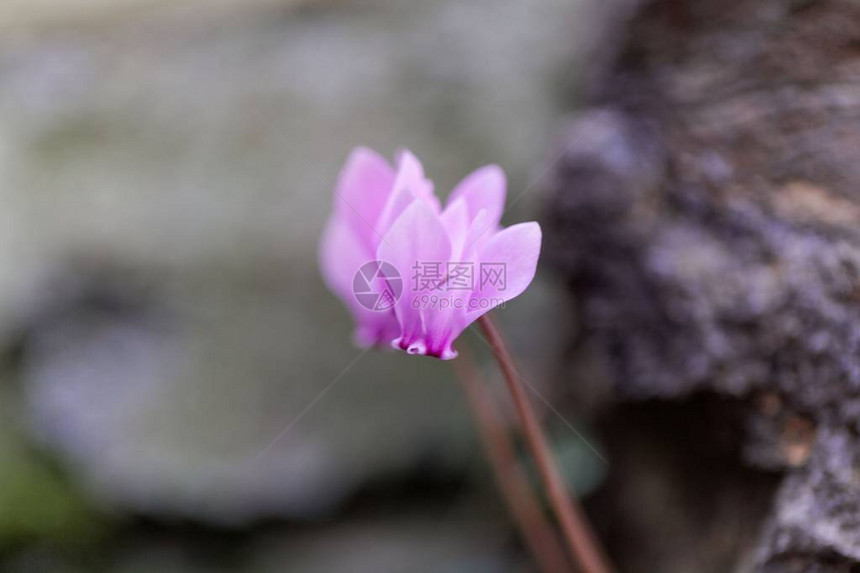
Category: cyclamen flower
[392,215]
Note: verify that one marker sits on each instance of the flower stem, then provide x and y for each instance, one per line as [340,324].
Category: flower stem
[538,533]
[577,533]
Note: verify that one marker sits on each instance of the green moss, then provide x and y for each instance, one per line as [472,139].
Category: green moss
[36,502]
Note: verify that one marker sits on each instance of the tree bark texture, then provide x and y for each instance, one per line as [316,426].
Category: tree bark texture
[706,212]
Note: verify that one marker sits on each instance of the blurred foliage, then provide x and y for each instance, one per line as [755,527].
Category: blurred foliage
[580,458]
[190,153]
[36,501]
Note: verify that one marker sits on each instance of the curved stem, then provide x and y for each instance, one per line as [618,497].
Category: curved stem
[574,525]
[538,533]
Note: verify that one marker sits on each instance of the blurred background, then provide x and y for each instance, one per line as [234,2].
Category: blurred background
[179,390]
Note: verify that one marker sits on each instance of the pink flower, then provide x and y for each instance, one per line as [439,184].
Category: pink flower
[446,267]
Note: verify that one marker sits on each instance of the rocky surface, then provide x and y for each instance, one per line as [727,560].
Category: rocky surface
[706,213]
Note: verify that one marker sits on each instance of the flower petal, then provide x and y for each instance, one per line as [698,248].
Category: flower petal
[416,238]
[409,185]
[478,234]
[507,264]
[483,189]
[455,218]
[363,189]
[340,257]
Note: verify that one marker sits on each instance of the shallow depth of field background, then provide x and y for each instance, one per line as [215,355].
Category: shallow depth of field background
[167,344]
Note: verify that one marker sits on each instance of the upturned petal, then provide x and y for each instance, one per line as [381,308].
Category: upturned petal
[455,219]
[341,255]
[363,189]
[483,189]
[409,185]
[417,237]
[508,261]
